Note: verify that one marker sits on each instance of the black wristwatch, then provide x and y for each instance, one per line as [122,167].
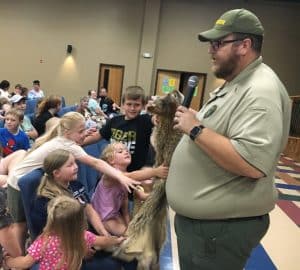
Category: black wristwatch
[197,130]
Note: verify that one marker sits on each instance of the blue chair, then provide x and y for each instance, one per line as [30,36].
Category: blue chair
[87,175]
[31,105]
[28,185]
[66,109]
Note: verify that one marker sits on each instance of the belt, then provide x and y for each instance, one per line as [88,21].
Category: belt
[236,219]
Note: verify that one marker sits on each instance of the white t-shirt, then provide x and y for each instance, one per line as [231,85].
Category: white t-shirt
[4,93]
[34,160]
[36,94]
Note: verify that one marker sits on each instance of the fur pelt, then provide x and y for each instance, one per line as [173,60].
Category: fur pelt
[146,232]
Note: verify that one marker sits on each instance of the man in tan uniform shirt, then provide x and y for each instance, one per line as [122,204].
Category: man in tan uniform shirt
[220,181]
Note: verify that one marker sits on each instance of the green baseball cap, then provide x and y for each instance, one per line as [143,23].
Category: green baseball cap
[233,21]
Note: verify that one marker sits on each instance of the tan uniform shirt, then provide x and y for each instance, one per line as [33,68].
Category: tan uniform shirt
[253,111]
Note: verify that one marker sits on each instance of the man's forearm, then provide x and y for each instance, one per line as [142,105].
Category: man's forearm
[221,150]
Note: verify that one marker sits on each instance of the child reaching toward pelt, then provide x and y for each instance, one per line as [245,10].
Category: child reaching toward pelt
[110,199]
[55,248]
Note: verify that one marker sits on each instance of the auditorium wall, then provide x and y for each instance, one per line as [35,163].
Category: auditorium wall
[35,35]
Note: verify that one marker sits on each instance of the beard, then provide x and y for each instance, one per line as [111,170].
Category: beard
[227,67]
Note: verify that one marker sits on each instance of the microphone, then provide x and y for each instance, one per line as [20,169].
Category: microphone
[191,85]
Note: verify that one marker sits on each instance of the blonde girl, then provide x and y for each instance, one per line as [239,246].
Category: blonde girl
[110,199]
[68,134]
[55,248]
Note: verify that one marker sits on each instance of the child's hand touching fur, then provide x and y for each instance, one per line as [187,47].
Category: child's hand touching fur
[161,171]
[108,243]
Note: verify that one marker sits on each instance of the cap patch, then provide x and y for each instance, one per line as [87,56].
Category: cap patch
[220,22]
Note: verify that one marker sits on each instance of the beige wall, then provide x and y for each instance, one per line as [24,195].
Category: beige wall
[179,49]
[119,31]
[100,32]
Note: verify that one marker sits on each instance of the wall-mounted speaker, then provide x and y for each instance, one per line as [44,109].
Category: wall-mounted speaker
[69,48]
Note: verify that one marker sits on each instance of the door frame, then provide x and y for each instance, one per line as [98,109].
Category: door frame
[99,76]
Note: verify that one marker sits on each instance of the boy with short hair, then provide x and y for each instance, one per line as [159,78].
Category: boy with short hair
[19,102]
[132,128]
[36,91]
[11,137]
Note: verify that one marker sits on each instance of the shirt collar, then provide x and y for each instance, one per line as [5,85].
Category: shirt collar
[227,86]
[245,72]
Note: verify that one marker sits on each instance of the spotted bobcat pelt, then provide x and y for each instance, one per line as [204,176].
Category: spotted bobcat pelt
[146,232]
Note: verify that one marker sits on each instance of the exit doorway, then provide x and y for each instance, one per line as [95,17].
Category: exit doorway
[111,77]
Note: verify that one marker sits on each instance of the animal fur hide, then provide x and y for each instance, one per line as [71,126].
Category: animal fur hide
[146,232]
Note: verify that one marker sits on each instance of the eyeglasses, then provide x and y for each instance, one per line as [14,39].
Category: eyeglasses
[216,44]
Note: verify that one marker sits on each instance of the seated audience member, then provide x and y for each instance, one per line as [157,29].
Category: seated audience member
[17,90]
[4,87]
[69,135]
[19,102]
[47,109]
[24,92]
[5,106]
[93,105]
[56,245]
[110,199]
[12,138]
[83,107]
[8,240]
[86,112]
[36,91]
[107,105]
[60,179]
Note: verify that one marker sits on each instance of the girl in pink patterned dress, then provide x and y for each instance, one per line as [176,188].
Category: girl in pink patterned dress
[64,241]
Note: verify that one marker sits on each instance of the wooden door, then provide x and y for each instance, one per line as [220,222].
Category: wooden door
[111,77]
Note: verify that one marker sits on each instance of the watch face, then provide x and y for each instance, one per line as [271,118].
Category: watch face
[195,132]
